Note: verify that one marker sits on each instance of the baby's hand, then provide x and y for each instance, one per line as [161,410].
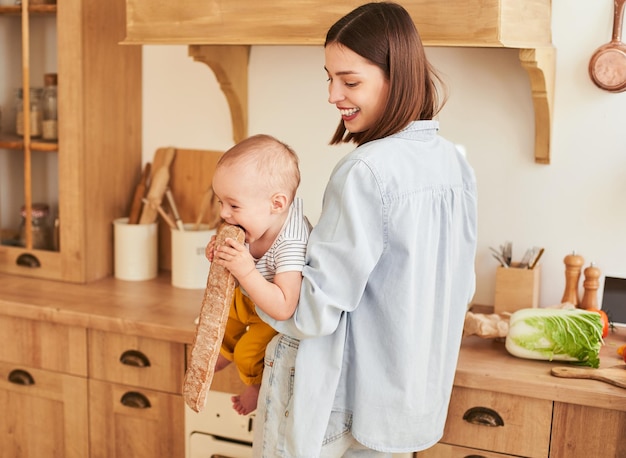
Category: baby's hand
[235,257]
[210,249]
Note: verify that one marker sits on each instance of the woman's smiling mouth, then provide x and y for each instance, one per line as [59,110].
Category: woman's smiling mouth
[348,113]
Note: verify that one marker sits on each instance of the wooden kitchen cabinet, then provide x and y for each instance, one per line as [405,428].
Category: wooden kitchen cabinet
[486,23]
[43,390]
[72,392]
[542,416]
[71,339]
[136,407]
[87,176]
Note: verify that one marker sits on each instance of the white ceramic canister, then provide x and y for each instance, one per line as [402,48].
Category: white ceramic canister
[190,266]
[135,250]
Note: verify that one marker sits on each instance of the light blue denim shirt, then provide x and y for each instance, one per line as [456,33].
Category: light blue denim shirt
[389,276]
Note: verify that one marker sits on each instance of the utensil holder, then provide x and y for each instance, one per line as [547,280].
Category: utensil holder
[190,267]
[516,288]
[135,250]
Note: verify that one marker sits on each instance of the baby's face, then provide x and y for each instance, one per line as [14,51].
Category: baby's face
[244,200]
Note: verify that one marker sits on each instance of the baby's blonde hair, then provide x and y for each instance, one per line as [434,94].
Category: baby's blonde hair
[275,162]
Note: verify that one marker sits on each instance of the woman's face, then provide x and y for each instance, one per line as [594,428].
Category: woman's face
[357,87]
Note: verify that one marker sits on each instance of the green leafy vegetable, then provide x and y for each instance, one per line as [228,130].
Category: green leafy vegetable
[556,334]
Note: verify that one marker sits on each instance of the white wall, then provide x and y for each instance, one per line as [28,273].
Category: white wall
[576,203]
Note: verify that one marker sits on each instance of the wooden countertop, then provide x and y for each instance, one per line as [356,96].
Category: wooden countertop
[156,309]
[485,364]
[151,308]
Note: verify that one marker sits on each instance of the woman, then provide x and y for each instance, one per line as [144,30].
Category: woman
[390,264]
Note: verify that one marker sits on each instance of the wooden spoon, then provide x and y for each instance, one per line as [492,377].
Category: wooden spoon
[607,67]
[615,375]
[158,185]
[140,190]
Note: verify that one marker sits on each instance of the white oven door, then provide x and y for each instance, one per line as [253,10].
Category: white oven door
[203,445]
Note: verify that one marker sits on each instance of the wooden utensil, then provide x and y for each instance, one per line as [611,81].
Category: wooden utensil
[615,375]
[607,67]
[162,156]
[158,185]
[140,191]
[170,199]
[208,203]
[168,220]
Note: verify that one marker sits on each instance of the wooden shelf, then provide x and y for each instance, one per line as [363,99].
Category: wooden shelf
[32,9]
[207,27]
[15,142]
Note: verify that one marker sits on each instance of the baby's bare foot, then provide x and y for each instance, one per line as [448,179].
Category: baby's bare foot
[246,402]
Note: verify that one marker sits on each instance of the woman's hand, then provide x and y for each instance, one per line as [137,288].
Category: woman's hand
[235,257]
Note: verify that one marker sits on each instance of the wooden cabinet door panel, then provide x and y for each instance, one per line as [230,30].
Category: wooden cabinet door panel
[580,431]
[44,414]
[129,422]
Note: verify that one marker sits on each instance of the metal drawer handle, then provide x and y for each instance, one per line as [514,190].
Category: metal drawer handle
[135,400]
[27,260]
[134,358]
[20,377]
[483,416]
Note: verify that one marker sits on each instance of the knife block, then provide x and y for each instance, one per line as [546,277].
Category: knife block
[516,288]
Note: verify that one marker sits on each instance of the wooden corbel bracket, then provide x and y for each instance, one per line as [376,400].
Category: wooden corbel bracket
[540,64]
[230,65]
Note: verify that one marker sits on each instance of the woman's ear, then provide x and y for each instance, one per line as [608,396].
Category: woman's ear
[279,202]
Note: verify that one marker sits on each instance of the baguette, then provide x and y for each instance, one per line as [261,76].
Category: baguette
[218,296]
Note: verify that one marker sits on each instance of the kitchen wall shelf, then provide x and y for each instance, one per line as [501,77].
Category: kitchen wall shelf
[242,23]
[97,159]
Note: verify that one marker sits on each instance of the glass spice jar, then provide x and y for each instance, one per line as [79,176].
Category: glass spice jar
[49,107]
[40,227]
[35,112]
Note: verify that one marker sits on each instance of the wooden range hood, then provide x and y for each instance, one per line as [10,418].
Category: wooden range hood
[220,33]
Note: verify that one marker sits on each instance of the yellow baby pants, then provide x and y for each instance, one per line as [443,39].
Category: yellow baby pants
[245,339]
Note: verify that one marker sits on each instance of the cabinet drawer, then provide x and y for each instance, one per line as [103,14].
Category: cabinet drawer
[501,423]
[136,361]
[453,451]
[43,345]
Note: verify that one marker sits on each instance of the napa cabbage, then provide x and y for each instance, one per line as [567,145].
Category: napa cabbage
[573,335]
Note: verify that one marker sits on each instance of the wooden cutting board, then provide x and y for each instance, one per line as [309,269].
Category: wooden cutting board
[615,375]
[191,174]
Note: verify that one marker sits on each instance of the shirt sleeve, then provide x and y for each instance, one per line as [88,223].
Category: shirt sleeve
[343,249]
[290,256]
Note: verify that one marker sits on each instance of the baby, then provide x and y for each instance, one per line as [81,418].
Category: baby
[255,183]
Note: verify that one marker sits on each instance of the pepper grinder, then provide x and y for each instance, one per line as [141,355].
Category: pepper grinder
[573,266]
[591,284]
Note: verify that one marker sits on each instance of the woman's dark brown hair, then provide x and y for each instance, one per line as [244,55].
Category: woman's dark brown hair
[385,34]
